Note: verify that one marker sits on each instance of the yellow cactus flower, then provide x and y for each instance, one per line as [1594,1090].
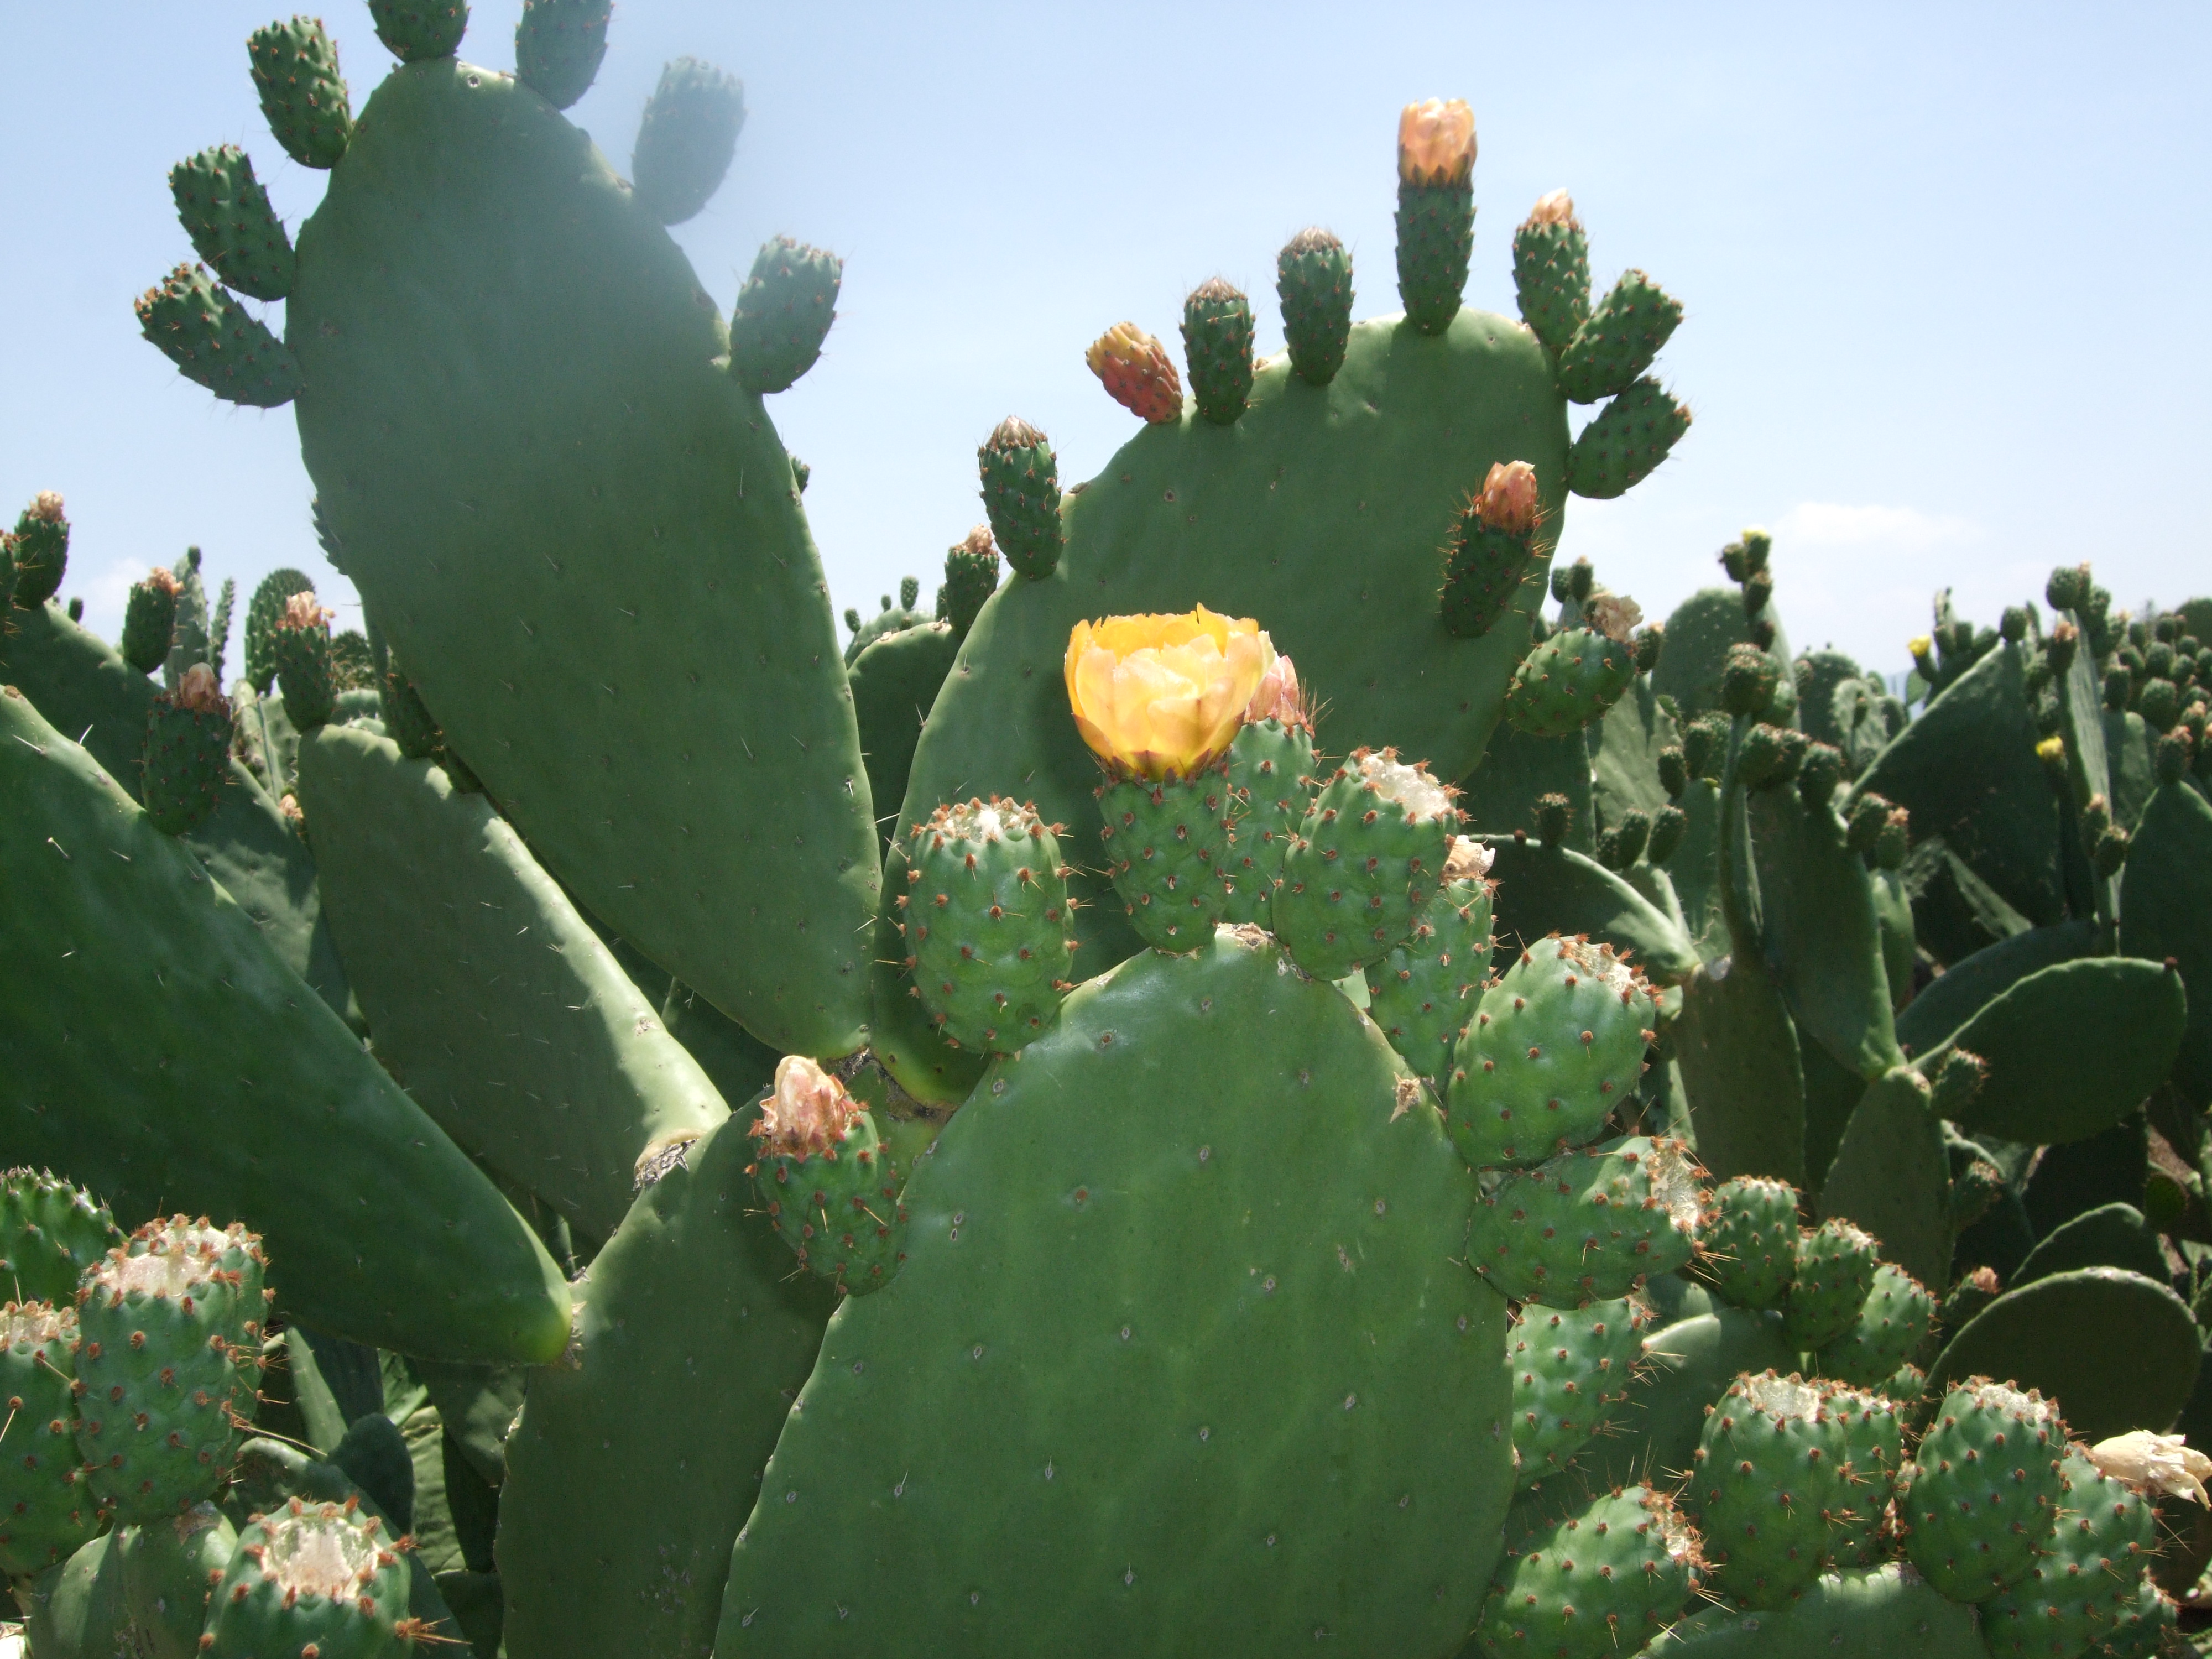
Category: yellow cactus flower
[1162,696]
[1436,142]
[2051,751]
[1921,647]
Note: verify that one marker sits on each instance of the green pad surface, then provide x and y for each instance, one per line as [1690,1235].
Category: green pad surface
[1741,1066]
[1543,889]
[516,426]
[1891,1177]
[1955,995]
[2166,911]
[1254,519]
[1687,1367]
[2116,1350]
[492,1001]
[1874,1613]
[630,1473]
[1179,1360]
[2110,1236]
[197,1071]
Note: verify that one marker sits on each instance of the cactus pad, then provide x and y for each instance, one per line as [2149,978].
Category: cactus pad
[1605,1580]
[227,214]
[187,758]
[1981,1497]
[415,29]
[987,922]
[1590,1224]
[295,70]
[2088,1581]
[1551,271]
[1836,1264]
[1567,681]
[1271,765]
[47,1507]
[1749,1241]
[1771,1471]
[1571,1369]
[1169,842]
[1423,994]
[1369,855]
[214,341]
[50,1233]
[1889,1330]
[686,138]
[321,1576]
[559,45]
[1630,437]
[783,315]
[1620,338]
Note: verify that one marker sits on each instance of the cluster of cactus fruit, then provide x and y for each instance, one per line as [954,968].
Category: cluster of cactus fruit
[1525,1133]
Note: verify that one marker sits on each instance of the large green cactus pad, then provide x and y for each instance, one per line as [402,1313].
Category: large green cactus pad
[161,1053]
[531,462]
[510,1023]
[1876,1613]
[2168,913]
[1178,1361]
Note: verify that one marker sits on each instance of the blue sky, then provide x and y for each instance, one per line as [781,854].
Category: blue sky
[1943,267]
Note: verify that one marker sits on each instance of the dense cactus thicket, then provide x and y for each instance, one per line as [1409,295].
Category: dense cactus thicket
[1278,1068]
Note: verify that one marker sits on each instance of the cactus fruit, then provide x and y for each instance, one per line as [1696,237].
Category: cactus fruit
[214,341]
[1021,494]
[1369,854]
[1551,271]
[1890,1328]
[1603,1582]
[187,758]
[1630,437]
[47,1507]
[227,214]
[1772,1469]
[1216,345]
[987,922]
[1313,283]
[784,310]
[1571,1369]
[299,642]
[263,612]
[1422,992]
[1588,1226]
[1555,1047]
[2088,1579]
[295,70]
[827,1180]
[1619,340]
[167,1357]
[971,576]
[1769,756]
[50,1233]
[1271,765]
[1492,549]
[1874,1442]
[311,1576]
[1835,1272]
[150,620]
[1981,1497]
[413,30]
[40,547]
[1749,679]
[1137,374]
[1668,825]
[1435,209]
[1570,678]
[558,47]
[1748,1240]
[686,139]
[170,1568]
[1555,816]
[1167,841]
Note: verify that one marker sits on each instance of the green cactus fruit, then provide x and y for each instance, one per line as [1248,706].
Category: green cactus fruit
[971,576]
[295,70]
[1571,1369]
[1435,209]
[1749,680]
[986,923]
[1168,844]
[1874,1442]
[1422,992]
[262,612]
[416,29]
[41,546]
[170,1568]
[1217,344]
[1491,548]
[1980,1499]
[2089,1580]
[1769,756]
[1889,1330]
[1748,1242]
[319,1575]
[300,643]
[1313,282]
[187,757]
[50,1233]
[2147,1625]
[1836,1265]
[1619,340]
[48,1509]
[1772,1468]
[1369,854]
[1602,1582]
[1021,494]
[1569,680]
[890,619]
[167,1361]
[1627,440]
[784,313]
[1572,583]
[407,721]
[827,1180]
[227,214]
[1620,847]
[1555,1045]
[215,342]
[1668,825]
[686,139]
[1271,766]
[353,661]
[559,45]
[1819,772]
[149,621]
[1591,1224]
[2159,702]
[1555,816]
[1551,271]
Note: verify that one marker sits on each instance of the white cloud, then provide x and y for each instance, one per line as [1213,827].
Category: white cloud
[1900,529]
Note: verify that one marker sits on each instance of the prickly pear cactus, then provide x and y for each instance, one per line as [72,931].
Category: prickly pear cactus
[1590,1224]
[52,1508]
[1571,1369]
[1772,1469]
[324,1576]
[1605,1580]
[51,1232]
[1983,1491]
